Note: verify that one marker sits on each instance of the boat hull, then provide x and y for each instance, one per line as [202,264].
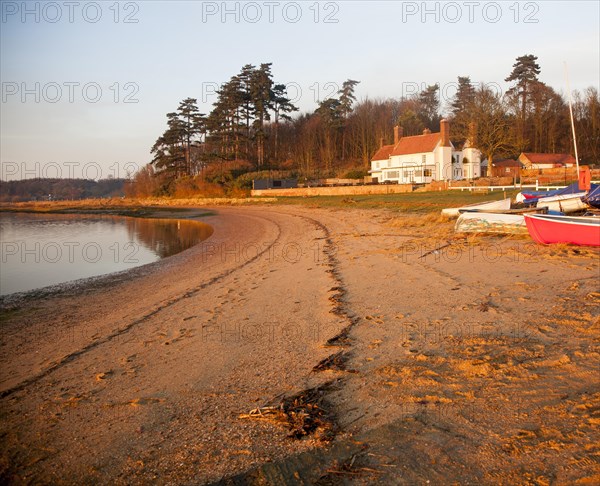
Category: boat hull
[547,229]
[472,222]
[565,204]
[501,204]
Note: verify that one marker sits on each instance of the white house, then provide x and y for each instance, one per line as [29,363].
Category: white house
[425,158]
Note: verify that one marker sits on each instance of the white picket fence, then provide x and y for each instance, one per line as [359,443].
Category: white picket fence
[535,186]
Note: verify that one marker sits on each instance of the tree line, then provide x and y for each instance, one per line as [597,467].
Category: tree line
[252,131]
[42,189]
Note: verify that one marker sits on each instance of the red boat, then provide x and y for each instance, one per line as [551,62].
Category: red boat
[578,230]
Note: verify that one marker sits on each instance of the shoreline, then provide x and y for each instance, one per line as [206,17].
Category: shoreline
[418,358]
[128,206]
[414,202]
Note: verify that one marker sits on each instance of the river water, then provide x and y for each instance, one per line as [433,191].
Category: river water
[38,250]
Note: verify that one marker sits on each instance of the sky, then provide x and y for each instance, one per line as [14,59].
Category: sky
[86,85]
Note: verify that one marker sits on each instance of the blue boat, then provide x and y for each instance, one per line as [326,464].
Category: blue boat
[532,197]
[593,196]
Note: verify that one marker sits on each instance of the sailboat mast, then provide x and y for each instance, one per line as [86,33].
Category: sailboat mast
[572,121]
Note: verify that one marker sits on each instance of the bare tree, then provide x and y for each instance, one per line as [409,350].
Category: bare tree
[494,126]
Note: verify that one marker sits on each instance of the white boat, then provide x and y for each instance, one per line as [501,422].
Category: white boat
[502,204]
[567,203]
[476,222]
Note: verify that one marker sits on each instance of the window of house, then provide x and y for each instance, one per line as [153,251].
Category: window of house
[392,174]
[377,165]
[465,160]
[427,173]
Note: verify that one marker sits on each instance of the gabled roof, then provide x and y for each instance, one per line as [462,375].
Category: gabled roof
[383,153]
[417,144]
[507,163]
[561,159]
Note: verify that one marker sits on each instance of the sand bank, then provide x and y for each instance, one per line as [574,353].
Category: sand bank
[431,357]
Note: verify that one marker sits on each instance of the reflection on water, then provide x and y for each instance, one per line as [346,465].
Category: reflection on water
[166,237]
[38,250]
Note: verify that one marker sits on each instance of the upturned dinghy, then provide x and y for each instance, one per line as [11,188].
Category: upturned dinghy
[475,222]
[490,205]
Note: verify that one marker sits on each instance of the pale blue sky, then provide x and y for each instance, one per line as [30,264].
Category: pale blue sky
[183,49]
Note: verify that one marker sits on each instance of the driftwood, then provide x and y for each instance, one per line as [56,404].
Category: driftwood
[449,243]
[303,413]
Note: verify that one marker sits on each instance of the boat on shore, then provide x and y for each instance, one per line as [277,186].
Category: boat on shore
[501,204]
[593,196]
[532,196]
[577,230]
[522,210]
[565,203]
[480,222]
[572,190]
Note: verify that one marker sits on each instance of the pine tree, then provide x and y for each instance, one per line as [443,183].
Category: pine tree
[172,150]
[459,108]
[346,100]
[525,72]
[429,107]
[192,125]
[408,117]
[246,109]
[347,97]
[525,75]
[281,106]
[168,150]
[224,121]
[261,96]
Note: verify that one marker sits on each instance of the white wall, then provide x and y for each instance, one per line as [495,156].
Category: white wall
[410,168]
[473,168]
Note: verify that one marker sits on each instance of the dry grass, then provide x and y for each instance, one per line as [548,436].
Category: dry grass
[430,225]
[418,220]
[119,203]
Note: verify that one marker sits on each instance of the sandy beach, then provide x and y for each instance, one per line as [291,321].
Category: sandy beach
[301,345]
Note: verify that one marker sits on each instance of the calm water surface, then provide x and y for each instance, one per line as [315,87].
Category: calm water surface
[41,250]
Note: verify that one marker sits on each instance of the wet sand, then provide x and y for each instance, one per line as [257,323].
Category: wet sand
[303,346]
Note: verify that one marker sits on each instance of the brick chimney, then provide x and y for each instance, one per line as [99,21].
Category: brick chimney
[472,134]
[398,134]
[426,131]
[445,131]
[381,142]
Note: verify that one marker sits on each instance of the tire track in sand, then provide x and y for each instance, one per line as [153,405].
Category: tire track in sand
[315,401]
[125,329]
